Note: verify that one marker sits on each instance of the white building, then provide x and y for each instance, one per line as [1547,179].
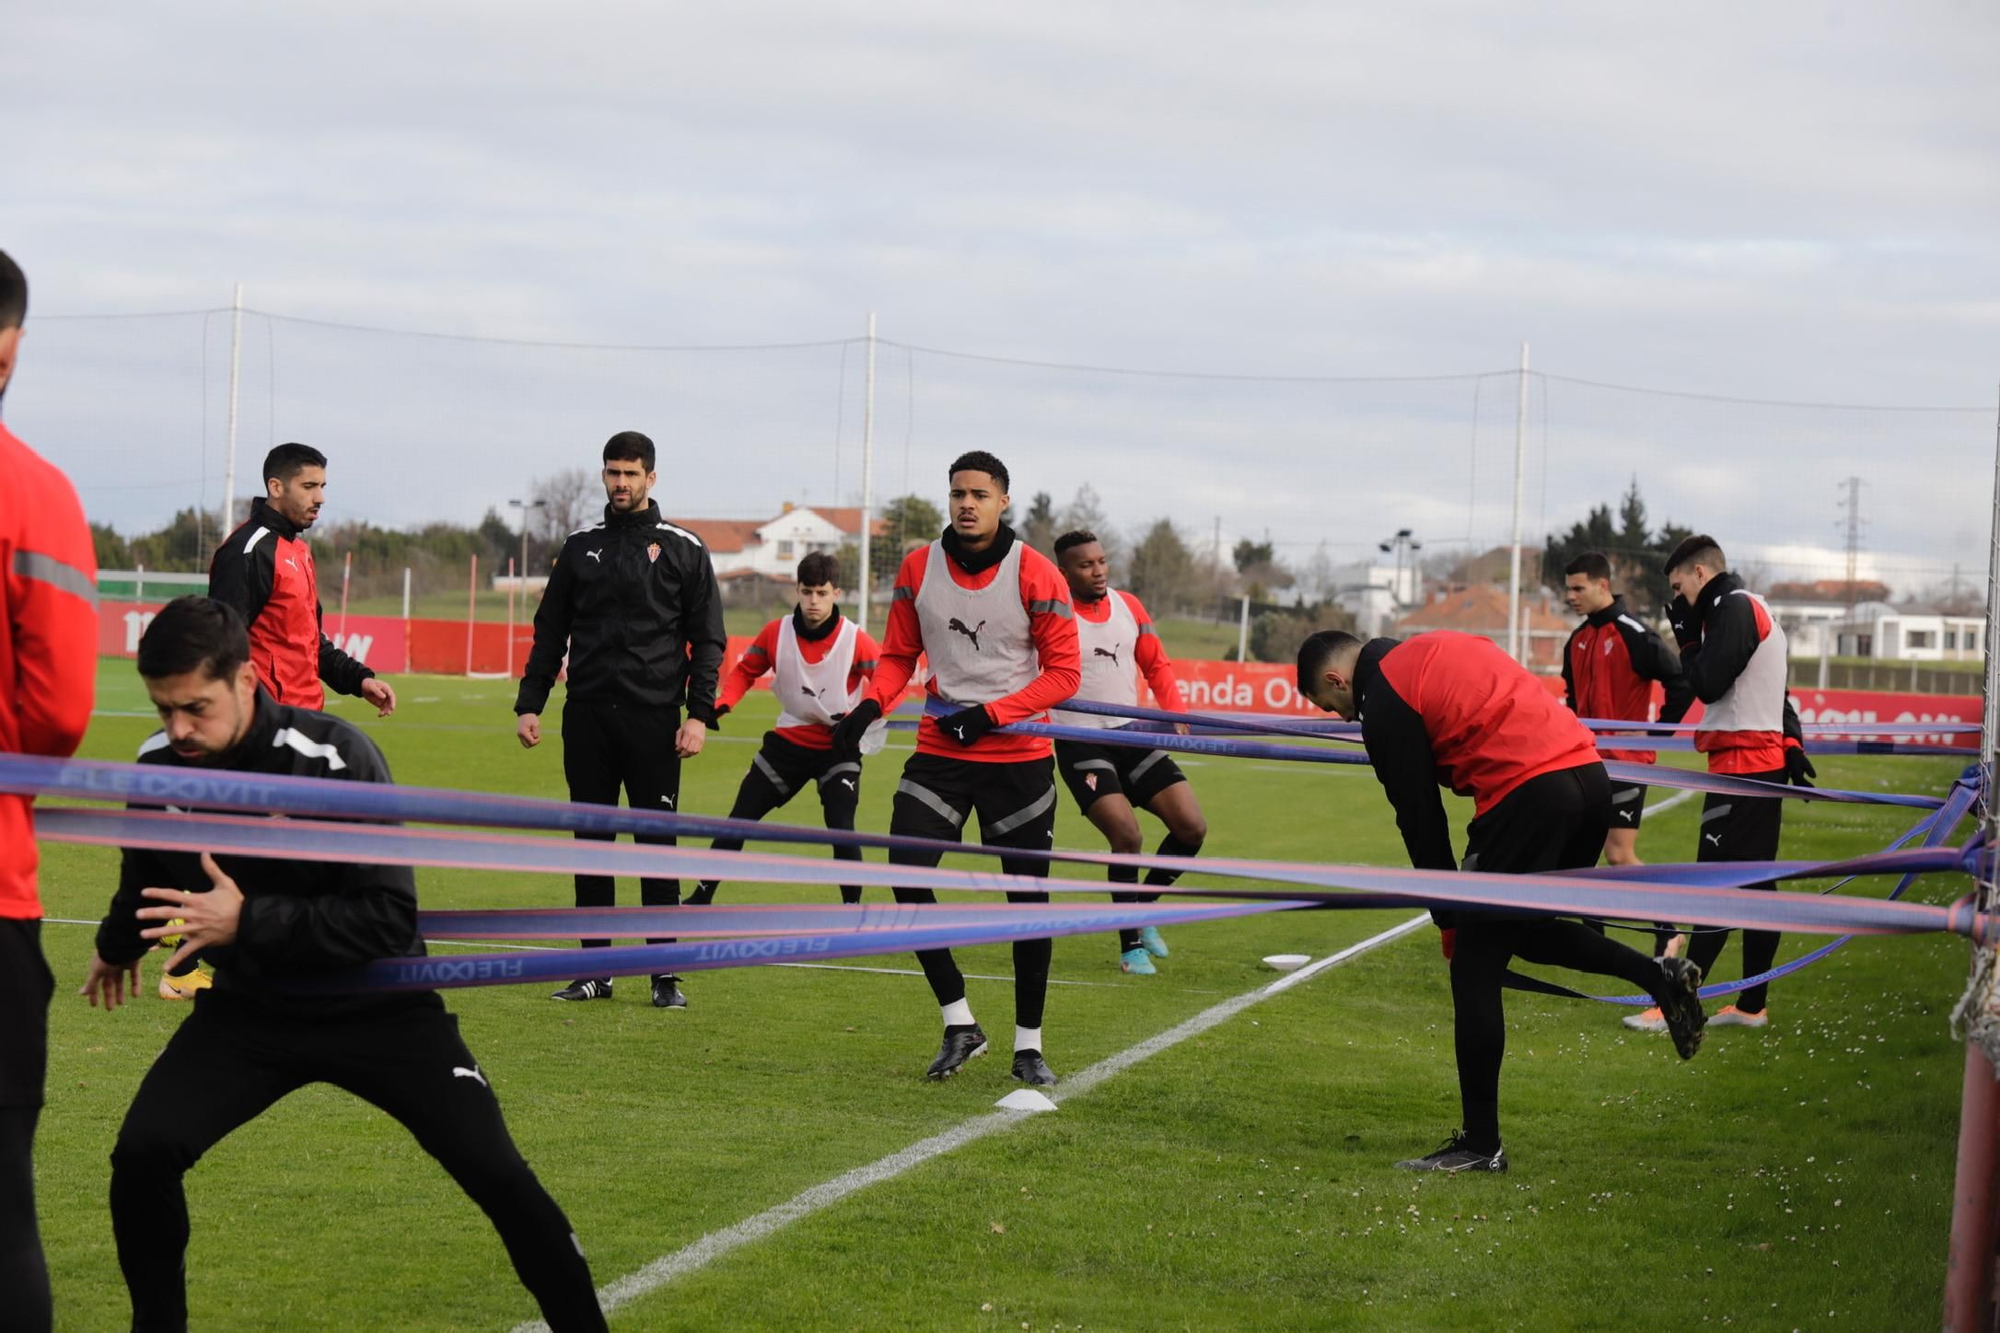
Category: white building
[771,549]
[1910,632]
[1375,595]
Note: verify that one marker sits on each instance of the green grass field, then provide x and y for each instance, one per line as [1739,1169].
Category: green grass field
[1794,1178]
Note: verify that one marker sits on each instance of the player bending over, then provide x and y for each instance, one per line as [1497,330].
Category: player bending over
[1453,710]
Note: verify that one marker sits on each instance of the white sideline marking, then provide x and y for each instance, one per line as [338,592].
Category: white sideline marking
[1678,798]
[719,1243]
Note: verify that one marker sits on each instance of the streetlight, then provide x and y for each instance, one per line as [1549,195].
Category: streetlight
[1405,547]
[521,570]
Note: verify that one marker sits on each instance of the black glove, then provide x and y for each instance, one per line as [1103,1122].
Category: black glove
[721,711]
[1686,622]
[967,725]
[847,732]
[1798,766]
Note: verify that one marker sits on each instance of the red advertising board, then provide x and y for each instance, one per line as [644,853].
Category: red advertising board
[392,645]
[377,641]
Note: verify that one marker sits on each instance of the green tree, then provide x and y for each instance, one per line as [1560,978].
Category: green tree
[1275,635]
[1163,571]
[1040,531]
[113,551]
[1635,554]
[1250,555]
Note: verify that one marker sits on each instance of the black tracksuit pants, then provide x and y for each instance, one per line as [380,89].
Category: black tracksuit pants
[780,771]
[1554,822]
[232,1058]
[607,746]
[25,986]
[1016,804]
[1741,828]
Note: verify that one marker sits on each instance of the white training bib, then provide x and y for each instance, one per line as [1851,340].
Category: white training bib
[1110,649]
[815,694]
[1756,700]
[978,640]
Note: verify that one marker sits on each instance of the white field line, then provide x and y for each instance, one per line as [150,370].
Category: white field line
[716,1244]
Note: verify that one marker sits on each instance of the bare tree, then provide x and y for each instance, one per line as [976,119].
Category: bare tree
[568,500]
[1085,513]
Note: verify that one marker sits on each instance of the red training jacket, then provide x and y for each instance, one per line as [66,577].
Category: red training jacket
[48,643]
[265,570]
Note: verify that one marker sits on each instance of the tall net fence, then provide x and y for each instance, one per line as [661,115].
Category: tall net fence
[425,429]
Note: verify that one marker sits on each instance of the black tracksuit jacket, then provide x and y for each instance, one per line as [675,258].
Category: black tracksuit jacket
[299,916]
[633,597]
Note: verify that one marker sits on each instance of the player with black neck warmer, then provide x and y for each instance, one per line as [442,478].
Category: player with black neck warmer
[820,663]
[1117,644]
[995,621]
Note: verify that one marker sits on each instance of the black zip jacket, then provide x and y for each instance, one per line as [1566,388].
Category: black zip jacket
[634,599]
[298,916]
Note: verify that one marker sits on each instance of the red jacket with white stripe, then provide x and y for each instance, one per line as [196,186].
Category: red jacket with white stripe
[48,642]
[1609,667]
[265,570]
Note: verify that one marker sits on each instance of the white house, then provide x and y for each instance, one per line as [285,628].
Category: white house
[1375,595]
[1910,632]
[1808,612]
[772,549]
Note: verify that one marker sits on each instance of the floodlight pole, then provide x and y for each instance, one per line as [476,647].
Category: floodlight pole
[235,370]
[1514,551]
[863,581]
[1969,1305]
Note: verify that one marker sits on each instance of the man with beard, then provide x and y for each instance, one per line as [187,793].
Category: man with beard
[633,600]
[250,1041]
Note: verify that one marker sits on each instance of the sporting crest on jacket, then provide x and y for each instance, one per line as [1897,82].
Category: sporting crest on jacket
[653,553]
[958,626]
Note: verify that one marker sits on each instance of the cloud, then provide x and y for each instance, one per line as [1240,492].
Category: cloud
[1790,201]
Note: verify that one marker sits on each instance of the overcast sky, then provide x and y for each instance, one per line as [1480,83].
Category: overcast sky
[1793,201]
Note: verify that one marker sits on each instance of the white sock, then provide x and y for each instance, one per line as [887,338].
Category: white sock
[957,1014]
[1027,1039]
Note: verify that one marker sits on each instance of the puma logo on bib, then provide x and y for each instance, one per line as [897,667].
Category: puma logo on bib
[957,626]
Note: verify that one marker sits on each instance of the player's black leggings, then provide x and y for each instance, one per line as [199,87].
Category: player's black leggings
[25,986]
[1741,828]
[780,771]
[24,1274]
[1016,803]
[610,745]
[1553,822]
[232,1058]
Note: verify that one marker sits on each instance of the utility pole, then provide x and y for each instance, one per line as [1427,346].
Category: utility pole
[235,368]
[1514,550]
[1852,504]
[864,582]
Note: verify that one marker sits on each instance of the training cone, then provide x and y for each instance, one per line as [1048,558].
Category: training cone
[1025,1099]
